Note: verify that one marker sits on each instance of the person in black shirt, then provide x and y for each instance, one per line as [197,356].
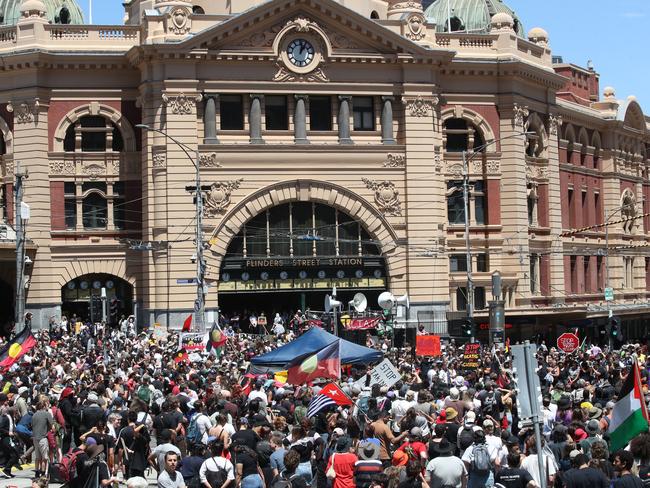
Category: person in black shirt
[582,476]
[623,462]
[514,476]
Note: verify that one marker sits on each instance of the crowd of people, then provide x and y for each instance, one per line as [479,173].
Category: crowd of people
[93,406]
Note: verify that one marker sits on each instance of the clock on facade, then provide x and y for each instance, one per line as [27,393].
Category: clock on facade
[300,52]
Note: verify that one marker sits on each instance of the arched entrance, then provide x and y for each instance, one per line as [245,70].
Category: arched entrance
[289,256]
[83,297]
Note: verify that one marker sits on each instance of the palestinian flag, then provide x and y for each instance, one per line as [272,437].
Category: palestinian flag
[216,338]
[17,347]
[630,415]
[325,363]
[181,356]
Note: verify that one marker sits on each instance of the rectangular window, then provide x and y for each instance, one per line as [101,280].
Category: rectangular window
[572,222]
[479,202]
[277,112]
[585,209]
[533,274]
[70,199]
[599,272]
[458,262]
[597,220]
[479,298]
[574,275]
[363,113]
[455,203]
[647,273]
[119,206]
[461,298]
[587,273]
[482,263]
[320,113]
[231,112]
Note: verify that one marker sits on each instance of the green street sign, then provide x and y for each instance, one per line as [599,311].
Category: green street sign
[609,294]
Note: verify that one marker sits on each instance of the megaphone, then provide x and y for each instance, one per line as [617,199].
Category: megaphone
[386,300]
[359,302]
[331,303]
[403,300]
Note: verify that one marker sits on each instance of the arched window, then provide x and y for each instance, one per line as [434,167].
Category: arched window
[96,133]
[462,136]
[63,17]
[456,24]
[94,206]
[374,15]
[3,145]
[196,10]
[628,212]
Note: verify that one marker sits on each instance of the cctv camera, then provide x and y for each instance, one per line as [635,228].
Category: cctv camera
[193,258]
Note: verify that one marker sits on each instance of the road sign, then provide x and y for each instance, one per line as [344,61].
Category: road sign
[568,342]
[609,294]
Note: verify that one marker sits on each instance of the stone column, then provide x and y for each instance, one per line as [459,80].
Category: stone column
[210,120]
[255,119]
[300,120]
[344,119]
[387,121]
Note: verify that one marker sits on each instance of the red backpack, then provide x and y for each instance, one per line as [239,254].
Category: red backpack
[68,466]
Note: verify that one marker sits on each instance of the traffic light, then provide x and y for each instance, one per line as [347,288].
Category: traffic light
[114,309]
[615,328]
[468,328]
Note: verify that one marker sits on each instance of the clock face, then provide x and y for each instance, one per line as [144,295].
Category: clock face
[300,52]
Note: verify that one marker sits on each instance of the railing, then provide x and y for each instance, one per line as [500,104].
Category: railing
[8,35]
[462,41]
[100,33]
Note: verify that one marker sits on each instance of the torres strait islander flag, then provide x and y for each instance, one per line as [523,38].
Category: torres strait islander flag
[17,347]
[630,415]
[325,363]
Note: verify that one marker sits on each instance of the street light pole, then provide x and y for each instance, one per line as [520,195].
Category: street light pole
[468,248]
[19,317]
[199,304]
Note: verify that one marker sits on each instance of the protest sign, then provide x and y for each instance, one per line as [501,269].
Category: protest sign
[192,341]
[384,374]
[471,355]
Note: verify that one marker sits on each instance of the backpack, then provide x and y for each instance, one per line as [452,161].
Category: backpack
[68,466]
[216,478]
[481,462]
[487,403]
[193,433]
[465,438]
[282,482]
[144,394]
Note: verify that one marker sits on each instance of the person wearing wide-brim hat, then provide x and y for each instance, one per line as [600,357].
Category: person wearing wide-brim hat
[94,453]
[446,469]
[368,464]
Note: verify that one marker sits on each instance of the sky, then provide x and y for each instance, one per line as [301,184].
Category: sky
[579,31]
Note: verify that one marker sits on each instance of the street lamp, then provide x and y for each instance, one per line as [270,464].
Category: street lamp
[199,305]
[467,157]
[608,293]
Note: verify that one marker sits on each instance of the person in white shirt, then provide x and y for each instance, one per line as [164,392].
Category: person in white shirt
[215,463]
[278,326]
[480,479]
[531,463]
[258,393]
[203,422]
[492,440]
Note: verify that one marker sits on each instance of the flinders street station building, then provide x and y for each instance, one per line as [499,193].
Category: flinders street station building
[333,140]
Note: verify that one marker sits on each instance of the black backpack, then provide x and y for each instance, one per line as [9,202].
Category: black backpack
[282,482]
[216,477]
[465,438]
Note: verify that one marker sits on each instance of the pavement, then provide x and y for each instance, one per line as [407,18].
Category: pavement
[24,478]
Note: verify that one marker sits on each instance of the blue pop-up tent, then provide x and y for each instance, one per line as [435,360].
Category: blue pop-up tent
[311,341]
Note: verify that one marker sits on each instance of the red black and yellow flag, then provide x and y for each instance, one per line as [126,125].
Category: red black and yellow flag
[16,348]
[181,356]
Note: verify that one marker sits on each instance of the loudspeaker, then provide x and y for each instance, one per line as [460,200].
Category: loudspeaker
[359,302]
[403,300]
[386,300]
[331,303]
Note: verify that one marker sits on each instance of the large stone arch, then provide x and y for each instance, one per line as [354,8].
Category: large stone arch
[77,268]
[7,135]
[461,112]
[307,190]
[94,108]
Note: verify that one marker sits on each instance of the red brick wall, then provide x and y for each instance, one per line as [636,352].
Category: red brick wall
[494,202]
[545,275]
[57,205]
[542,205]
[491,116]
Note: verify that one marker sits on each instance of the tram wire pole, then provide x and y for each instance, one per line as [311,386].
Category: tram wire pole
[20,176]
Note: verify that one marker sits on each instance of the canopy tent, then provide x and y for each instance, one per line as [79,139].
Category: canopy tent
[310,342]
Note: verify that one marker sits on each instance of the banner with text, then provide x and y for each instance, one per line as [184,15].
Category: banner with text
[365,323]
[191,341]
[471,356]
[427,345]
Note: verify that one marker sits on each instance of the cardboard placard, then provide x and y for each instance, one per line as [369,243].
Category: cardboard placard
[192,341]
[471,355]
[427,345]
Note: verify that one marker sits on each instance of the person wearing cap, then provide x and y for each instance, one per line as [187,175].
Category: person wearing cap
[593,431]
[454,401]
[386,437]
[494,441]
[21,402]
[466,432]
[446,469]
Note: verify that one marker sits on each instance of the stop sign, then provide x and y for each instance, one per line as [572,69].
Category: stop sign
[568,342]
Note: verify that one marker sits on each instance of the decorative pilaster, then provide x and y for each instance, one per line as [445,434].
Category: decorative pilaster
[387,120]
[210,120]
[344,119]
[255,119]
[300,120]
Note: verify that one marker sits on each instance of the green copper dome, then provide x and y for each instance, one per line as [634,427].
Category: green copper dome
[58,12]
[469,15]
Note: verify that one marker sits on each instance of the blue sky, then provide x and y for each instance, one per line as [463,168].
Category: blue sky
[611,34]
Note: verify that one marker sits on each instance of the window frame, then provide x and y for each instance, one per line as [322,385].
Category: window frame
[363,111]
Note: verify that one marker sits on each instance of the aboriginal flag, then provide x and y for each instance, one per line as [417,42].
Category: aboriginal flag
[325,363]
[217,338]
[16,348]
[181,356]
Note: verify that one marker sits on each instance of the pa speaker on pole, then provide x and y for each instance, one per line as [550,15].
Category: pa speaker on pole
[386,300]
[359,302]
[331,303]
